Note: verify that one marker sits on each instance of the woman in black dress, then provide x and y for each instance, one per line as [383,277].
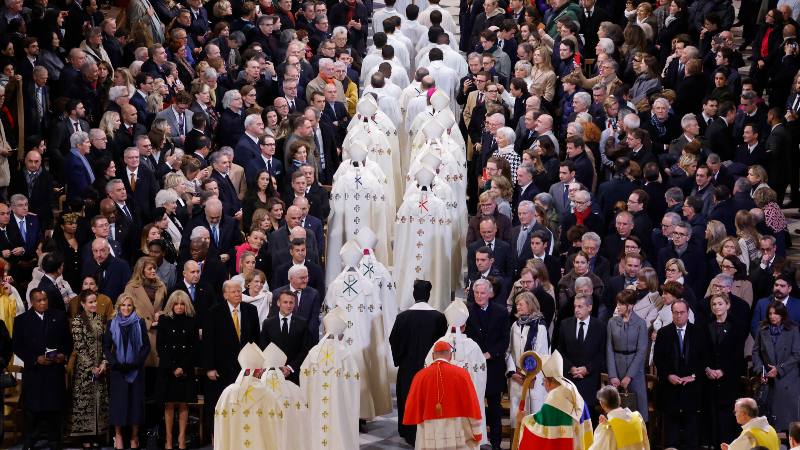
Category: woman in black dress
[67,242]
[177,342]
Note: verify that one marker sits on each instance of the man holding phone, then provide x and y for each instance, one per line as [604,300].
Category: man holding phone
[42,340]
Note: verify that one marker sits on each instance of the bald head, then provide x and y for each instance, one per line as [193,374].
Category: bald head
[213,211]
[298,232]
[294,216]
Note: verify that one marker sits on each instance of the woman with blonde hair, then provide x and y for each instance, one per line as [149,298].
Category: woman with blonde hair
[155,100]
[715,234]
[748,237]
[178,342]
[149,294]
[502,191]
[543,276]
[257,293]
[529,332]
[543,77]
[123,77]
[758,178]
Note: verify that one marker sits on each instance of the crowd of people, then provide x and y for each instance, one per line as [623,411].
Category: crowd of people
[165,175]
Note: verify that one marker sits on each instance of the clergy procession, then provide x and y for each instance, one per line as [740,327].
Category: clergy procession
[428,224]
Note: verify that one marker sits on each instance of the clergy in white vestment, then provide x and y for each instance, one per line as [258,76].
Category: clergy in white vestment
[437,101]
[376,82]
[529,332]
[417,105]
[756,430]
[380,151]
[448,23]
[292,408]
[411,27]
[371,268]
[403,49]
[330,380]
[411,91]
[242,416]
[423,242]
[467,353]
[357,296]
[619,428]
[373,56]
[358,199]
[452,58]
[389,10]
[433,37]
[447,79]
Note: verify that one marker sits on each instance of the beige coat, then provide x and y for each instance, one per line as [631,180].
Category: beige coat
[147,311]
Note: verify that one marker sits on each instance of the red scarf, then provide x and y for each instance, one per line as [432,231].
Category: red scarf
[351,10]
[327,80]
[581,216]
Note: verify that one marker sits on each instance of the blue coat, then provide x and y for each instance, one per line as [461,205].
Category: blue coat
[79,180]
[245,151]
[116,273]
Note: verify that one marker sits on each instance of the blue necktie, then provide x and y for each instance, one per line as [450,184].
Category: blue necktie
[680,339]
[191,291]
[566,196]
[22,230]
[215,235]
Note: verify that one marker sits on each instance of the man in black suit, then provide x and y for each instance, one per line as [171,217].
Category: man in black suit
[482,268]
[280,239]
[640,153]
[200,293]
[100,229]
[290,333]
[762,274]
[626,279]
[266,161]
[525,190]
[223,230]
[308,300]
[741,195]
[138,180]
[52,266]
[521,236]
[221,164]
[123,223]
[318,198]
[599,265]
[111,273]
[540,249]
[230,325]
[247,148]
[311,223]
[37,113]
[782,162]
[335,113]
[43,342]
[327,144]
[582,342]
[723,209]
[751,151]
[316,276]
[618,188]
[500,250]
[692,255]
[655,190]
[614,242]
[678,355]
[487,325]
[127,132]
[590,18]
[144,87]
[637,204]
[719,134]
[36,183]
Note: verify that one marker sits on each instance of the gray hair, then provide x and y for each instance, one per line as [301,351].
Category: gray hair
[165,196]
[486,283]
[691,52]
[228,98]
[116,92]
[96,133]
[687,120]
[545,199]
[523,65]
[227,151]
[592,236]
[583,196]
[606,44]
[111,183]
[661,101]
[78,137]
[199,232]
[577,126]
[296,270]
[18,197]
[631,121]
[231,283]
[325,62]
[339,30]
[508,134]
[674,218]
[583,97]
[724,279]
[675,194]
[252,118]
[583,282]
[742,185]
[526,204]
[713,158]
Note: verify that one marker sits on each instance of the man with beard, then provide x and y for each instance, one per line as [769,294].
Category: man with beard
[780,293]
[111,273]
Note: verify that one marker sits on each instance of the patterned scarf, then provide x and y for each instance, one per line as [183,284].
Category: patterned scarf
[662,130]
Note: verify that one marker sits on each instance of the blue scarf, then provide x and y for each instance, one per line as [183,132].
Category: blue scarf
[126,354]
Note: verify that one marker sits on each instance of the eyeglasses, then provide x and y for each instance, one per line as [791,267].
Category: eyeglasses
[678,233]
[491,91]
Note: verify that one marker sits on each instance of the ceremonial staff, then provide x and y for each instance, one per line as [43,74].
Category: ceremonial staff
[531,364]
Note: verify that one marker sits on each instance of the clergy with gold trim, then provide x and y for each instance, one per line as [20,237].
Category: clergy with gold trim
[443,405]
[369,117]
[756,430]
[246,414]
[467,353]
[620,428]
[330,380]
[357,296]
[292,410]
[563,422]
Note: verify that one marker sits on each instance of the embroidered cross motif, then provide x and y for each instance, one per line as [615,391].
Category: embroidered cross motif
[420,232]
[349,286]
[359,183]
[369,270]
[423,204]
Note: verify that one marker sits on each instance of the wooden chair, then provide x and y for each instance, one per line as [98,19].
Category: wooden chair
[13,421]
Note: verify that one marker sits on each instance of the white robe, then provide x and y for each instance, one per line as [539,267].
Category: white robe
[416,106]
[385,155]
[423,246]
[249,415]
[468,355]
[412,29]
[410,91]
[446,80]
[330,380]
[402,52]
[370,62]
[604,439]
[516,346]
[358,200]
[446,434]
[379,15]
[293,408]
[452,58]
[448,23]
[376,271]
[364,338]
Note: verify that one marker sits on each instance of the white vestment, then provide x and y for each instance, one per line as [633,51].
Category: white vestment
[448,23]
[379,15]
[330,380]
[604,438]
[424,43]
[364,338]
[293,408]
[386,103]
[416,106]
[411,91]
[402,50]
[452,59]
[446,80]
[467,355]
[423,246]
[746,441]
[249,414]
[370,62]
[358,200]
[445,434]
[374,270]
[412,29]
[387,157]
[516,346]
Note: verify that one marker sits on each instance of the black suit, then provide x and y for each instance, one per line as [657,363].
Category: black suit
[295,344]
[144,197]
[782,162]
[316,276]
[307,308]
[489,329]
[279,247]
[319,202]
[725,350]
[56,300]
[503,257]
[589,353]
[330,143]
[228,230]
[124,138]
[680,403]
[204,299]
[227,194]
[40,194]
[749,158]
[221,345]
[590,24]
[719,136]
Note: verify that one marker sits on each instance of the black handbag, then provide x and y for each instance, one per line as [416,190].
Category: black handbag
[628,399]
[7,380]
